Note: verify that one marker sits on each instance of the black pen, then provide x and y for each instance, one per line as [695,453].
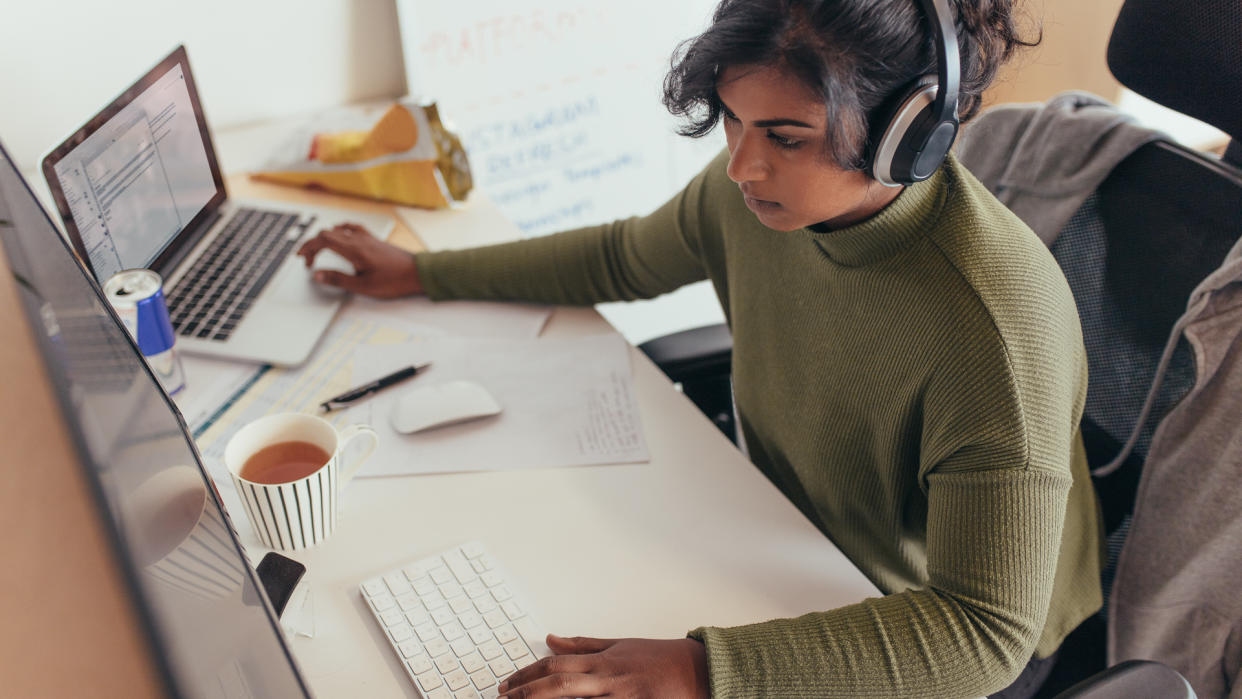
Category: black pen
[375,386]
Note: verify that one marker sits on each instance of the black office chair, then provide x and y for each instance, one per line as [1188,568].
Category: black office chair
[1162,220]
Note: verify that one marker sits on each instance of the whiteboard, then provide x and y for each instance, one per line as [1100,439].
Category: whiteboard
[558,101]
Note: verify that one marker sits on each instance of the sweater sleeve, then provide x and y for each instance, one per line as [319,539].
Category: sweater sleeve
[639,257]
[967,633]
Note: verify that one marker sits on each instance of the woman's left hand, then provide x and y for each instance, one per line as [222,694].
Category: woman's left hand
[631,667]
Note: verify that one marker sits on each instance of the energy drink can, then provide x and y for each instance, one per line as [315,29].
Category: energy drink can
[138,297]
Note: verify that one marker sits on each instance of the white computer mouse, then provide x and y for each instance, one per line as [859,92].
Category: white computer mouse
[435,405]
[329,260]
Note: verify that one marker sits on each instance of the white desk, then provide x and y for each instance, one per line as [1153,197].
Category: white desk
[695,537]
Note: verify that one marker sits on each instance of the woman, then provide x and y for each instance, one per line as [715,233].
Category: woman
[908,365]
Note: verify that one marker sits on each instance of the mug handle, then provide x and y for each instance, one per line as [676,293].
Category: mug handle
[347,435]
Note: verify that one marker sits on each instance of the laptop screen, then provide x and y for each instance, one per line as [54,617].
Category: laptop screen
[215,633]
[132,180]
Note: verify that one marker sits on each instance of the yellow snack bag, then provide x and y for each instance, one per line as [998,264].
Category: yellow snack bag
[407,156]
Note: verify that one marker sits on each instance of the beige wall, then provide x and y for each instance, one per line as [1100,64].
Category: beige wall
[1071,55]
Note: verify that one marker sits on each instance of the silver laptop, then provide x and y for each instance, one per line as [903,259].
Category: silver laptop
[139,186]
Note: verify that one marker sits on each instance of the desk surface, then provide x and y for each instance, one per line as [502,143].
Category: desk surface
[697,536]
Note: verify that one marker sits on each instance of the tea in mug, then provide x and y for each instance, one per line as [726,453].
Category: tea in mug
[284,462]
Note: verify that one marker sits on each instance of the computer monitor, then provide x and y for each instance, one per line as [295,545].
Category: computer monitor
[214,630]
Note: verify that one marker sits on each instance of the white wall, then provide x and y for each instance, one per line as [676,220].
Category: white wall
[61,60]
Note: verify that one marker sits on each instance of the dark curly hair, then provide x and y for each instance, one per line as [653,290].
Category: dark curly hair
[857,54]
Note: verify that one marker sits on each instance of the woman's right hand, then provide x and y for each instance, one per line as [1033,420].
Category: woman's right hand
[380,269]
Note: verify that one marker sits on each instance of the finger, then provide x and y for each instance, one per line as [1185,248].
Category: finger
[357,228]
[310,248]
[345,243]
[348,282]
[556,686]
[576,645]
[547,667]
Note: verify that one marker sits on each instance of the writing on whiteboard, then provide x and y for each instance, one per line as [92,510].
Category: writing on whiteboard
[558,101]
[483,39]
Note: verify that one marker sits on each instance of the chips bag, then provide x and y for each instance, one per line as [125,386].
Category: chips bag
[406,157]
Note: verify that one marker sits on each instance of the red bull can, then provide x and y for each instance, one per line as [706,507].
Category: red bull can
[138,297]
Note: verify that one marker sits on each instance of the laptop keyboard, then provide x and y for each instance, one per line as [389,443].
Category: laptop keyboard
[211,300]
[455,623]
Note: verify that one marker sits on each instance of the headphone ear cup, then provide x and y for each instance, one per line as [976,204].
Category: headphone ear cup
[909,146]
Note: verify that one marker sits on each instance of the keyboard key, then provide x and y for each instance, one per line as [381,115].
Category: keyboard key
[423,586]
[441,575]
[485,604]
[383,603]
[472,550]
[373,587]
[501,593]
[469,620]
[442,616]
[456,680]
[417,617]
[429,681]
[447,663]
[482,679]
[490,650]
[441,693]
[419,664]
[491,578]
[436,648]
[473,662]
[466,693]
[452,631]
[516,649]
[427,632]
[462,647]
[402,632]
[475,589]
[460,604]
[450,590]
[409,648]
[480,634]
[413,573]
[495,618]
[409,602]
[391,617]
[501,667]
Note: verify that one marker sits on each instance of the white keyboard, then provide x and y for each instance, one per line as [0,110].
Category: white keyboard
[455,623]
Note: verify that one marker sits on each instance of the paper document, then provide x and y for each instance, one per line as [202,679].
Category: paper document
[565,402]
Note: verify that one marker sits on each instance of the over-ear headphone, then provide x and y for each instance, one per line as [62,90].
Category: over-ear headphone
[921,123]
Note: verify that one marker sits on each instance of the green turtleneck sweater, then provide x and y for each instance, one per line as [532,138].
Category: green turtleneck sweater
[913,383]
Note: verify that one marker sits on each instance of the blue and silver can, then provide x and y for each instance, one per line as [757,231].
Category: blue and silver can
[138,297]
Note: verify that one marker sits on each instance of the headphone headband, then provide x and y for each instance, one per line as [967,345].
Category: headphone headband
[918,129]
[948,60]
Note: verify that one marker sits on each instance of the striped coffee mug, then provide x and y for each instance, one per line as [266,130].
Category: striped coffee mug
[301,511]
